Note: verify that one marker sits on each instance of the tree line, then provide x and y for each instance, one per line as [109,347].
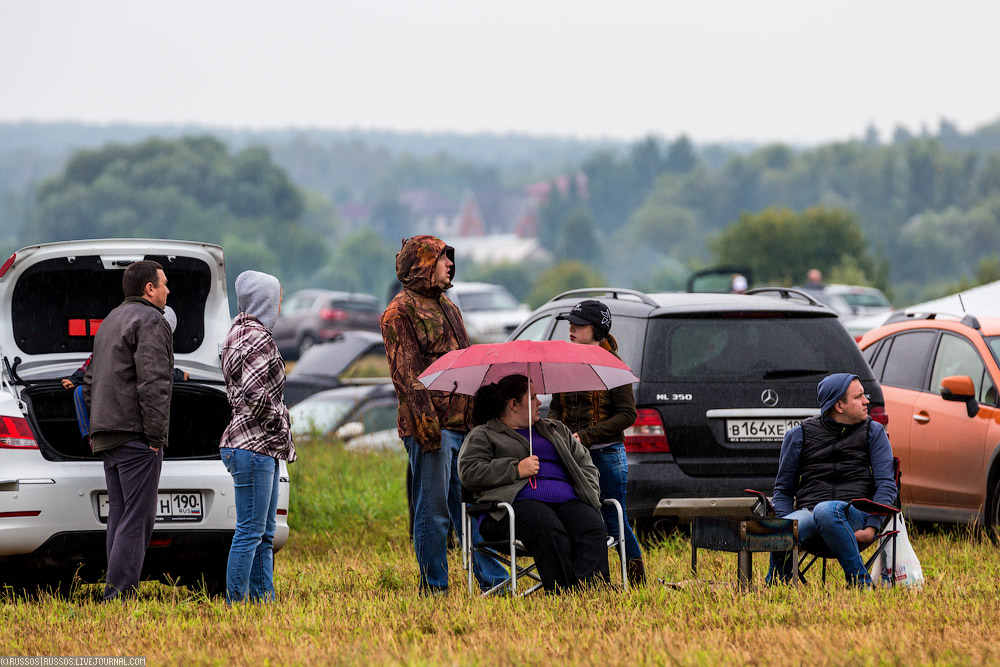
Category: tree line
[917,215]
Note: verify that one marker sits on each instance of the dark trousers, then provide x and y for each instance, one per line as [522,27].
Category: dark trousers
[132,473]
[567,540]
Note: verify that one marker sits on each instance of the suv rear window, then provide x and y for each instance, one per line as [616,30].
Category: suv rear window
[747,347]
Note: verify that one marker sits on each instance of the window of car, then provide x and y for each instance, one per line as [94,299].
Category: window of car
[957,356]
[866,299]
[380,416]
[372,365]
[354,306]
[908,356]
[994,344]
[319,416]
[628,333]
[875,356]
[717,348]
[488,300]
[297,303]
[536,329]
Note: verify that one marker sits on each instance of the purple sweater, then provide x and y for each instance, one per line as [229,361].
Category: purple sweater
[553,484]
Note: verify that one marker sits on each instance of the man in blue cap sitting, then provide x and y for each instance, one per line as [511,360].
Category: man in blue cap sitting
[826,462]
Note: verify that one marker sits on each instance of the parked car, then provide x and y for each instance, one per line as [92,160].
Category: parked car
[362,416]
[358,354]
[850,300]
[718,279]
[311,316]
[53,496]
[939,377]
[724,377]
[490,312]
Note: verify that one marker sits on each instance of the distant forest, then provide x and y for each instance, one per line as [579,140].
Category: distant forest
[323,207]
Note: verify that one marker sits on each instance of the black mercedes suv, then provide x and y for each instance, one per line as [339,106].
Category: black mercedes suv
[724,377]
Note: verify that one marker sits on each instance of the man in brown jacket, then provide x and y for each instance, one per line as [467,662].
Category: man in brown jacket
[127,389]
[420,325]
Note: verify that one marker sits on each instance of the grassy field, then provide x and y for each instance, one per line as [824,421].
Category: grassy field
[347,589]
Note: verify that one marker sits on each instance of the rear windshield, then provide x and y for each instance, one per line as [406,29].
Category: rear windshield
[489,300]
[749,348]
[355,306]
[58,306]
[866,300]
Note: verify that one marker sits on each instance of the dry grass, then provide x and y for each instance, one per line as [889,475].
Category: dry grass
[347,594]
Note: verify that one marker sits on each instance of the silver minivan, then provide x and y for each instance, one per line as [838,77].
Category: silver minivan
[53,496]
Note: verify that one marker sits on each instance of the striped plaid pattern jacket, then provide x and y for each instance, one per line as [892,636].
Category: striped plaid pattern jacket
[255,383]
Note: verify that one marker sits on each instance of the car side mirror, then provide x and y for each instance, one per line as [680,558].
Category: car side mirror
[350,430]
[960,388]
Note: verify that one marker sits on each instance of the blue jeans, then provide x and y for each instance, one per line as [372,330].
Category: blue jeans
[250,571]
[834,522]
[437,504]
[613,468]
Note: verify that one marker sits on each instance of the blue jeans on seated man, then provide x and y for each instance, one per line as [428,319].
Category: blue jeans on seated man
[250,570]
[437,505]
[613,468]
[835,522]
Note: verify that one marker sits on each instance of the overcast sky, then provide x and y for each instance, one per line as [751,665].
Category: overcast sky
[801,71]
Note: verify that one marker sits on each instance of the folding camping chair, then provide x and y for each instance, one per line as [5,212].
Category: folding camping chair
[507,552]
[815,548]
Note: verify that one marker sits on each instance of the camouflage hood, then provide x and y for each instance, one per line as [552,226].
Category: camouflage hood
[416,261]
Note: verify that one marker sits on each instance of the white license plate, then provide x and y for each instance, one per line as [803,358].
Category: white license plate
[759,430]
[170,507]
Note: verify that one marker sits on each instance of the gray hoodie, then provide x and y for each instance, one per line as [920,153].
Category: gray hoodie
[259,294]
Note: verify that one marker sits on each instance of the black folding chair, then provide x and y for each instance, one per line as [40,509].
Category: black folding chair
[507,552]
[816,549]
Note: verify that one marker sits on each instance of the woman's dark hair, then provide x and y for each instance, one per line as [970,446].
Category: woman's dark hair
[491,398]
[138,274]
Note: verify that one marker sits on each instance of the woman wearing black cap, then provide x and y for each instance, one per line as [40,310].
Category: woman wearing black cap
[598,420]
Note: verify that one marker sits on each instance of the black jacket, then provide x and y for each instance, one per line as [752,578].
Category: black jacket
[835,463]
[128,384]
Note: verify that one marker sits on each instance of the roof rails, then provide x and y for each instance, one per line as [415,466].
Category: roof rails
[786,293]
[607,292]
[966,319]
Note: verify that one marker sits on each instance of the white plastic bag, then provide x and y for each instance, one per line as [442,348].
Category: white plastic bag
[908,571]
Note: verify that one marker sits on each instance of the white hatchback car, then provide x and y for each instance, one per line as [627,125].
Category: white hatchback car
[53,496]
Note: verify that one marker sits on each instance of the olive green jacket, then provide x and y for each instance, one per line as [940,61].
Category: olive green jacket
[487,462]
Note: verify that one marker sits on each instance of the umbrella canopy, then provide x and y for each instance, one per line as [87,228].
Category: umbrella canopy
[553,367]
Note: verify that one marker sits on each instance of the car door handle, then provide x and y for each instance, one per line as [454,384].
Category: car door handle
[921,418]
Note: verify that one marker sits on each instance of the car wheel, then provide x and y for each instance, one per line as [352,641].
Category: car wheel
[307,341]
[993,511]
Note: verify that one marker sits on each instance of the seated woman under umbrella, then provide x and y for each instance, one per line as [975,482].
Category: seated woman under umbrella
[551,483]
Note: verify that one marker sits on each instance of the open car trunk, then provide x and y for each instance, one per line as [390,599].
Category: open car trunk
[198,416]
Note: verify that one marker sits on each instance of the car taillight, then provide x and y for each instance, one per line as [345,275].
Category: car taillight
[332,314]
[646,434]
[16,434]
[879,415]
[6,265]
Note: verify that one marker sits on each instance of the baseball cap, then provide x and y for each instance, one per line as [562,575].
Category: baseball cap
[590,312]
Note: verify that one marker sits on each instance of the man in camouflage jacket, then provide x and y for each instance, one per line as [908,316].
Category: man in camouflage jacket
[420,325]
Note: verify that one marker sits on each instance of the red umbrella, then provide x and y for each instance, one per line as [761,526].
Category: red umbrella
[552,367]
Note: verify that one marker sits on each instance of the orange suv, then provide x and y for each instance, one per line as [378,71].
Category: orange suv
[939,377]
